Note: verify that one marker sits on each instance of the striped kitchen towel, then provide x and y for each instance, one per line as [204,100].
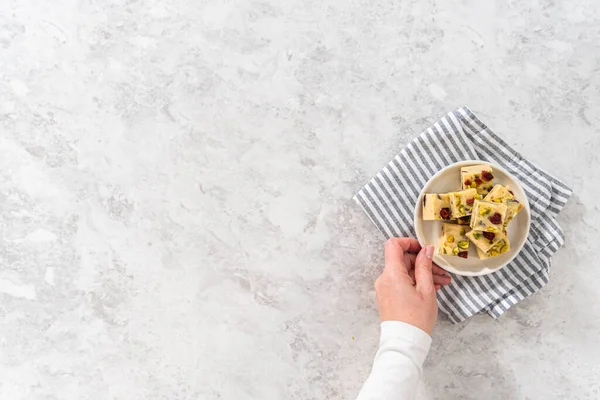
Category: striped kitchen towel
[389,200]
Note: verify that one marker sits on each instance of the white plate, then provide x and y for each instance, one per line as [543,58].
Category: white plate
[428,232]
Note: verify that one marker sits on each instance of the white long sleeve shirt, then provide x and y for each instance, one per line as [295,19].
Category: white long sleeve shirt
[398,363]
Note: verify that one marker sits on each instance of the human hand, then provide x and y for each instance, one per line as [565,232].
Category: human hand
[406,288]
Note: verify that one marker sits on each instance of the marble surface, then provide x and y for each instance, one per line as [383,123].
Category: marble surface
[176,180]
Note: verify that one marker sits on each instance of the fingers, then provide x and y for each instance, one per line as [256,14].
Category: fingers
[409,259]
[424,271]
[394,253]
[441,280]
[438,280]
[437,270]
[411,274]
[410,245]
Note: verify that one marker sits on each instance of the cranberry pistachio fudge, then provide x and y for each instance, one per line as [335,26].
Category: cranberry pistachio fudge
[500,247]
[436,207]
[512,208]
[454,241]
[488,216]
[479,177]
[461,203]
[484,240]
[503,194]
[499,194]
[479,213]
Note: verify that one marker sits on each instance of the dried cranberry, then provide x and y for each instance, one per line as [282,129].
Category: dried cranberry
[445,213]
[463,254]
[496,218]
[487,176]
[477,181]
[468,182]
[470,201]
[489,235]
[511,192]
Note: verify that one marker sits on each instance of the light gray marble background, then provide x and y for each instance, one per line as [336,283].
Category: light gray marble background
[176,180]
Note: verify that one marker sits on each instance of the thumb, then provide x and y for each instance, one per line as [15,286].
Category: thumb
[423,271]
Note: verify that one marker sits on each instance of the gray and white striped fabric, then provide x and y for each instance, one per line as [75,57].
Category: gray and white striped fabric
[389,200]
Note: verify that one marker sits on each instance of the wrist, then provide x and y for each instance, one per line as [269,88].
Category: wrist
[411,330]
[425,326]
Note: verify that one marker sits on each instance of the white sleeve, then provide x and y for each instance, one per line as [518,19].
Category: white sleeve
[397,366]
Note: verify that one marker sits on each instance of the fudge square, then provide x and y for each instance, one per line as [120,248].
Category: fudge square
[512,208]
[478,177]
[501,247]
[461,202]
[502,194]
[454,241]
[488,216]
[484,240]
[436,206]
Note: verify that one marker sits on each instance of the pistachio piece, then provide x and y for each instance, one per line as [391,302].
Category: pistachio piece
[476,235]
[463,244]
[494,253]
[450,239]
[462,232]
[504,249]
[455,251]
[478,197]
